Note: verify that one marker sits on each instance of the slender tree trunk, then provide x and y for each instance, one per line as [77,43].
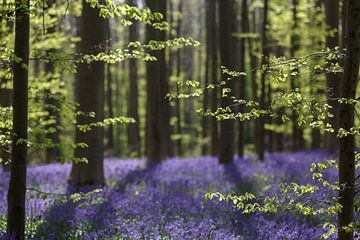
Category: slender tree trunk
[206,102]
[266,53]
[227,134]
[52,106]
[242,81]
[158,111]
[109,93]
[17,185]
[253,65]
[110,133]
[297,132]
[90,96]
[346,119]
[134,146]
[332,79]
[315,132]
[213,55]
[178,76]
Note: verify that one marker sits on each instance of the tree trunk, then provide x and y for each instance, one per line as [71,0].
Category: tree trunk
[346,119]
[266,53]
[109,94]
[52,106]
[253,65]
[227,135]
[178,76]
[17,185]
[332,79]
[133,129]
[297,132]
[90,96]
[158,127]
[205,120]
[212,27]
[242,80]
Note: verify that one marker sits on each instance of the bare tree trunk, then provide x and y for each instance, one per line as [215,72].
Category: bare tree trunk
[134,146]
[90,96]
[205,120]
[213,55]
[52,106]
[332,79]
[227,134]
[178,76]
[109,94]
[158,111]
[297,134]
[266,53]
[346,117]
[316,136]
[17,185]
[253,65]
[242,81]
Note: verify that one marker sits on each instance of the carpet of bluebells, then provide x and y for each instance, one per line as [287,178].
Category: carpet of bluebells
[166,201]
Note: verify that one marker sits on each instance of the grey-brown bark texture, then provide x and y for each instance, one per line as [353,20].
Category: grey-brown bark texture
[109,94]
[179,131]
[297,131]
[346,119]
[332,79]
[17,185]
[52,106]
[133,129]
[158,110]
[211,26]
[260,139]
[227,133]
[242,80]
[90,95]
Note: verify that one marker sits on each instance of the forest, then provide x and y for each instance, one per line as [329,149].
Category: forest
[170,119]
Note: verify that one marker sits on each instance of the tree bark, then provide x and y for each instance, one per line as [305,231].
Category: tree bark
[134,146]
[178,76]
[346,119]
[332,79]
[17,185]
[297,132]
[242,80]
[109,94]
[158,111]
[227,135]
[213,74]
[52,106]
[90,96]
[265,53]
[205,120]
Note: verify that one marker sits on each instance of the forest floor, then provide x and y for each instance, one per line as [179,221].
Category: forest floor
[168,201]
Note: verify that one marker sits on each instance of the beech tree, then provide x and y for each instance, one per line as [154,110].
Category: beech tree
[332,79]
[89,94]
[265,55]
[346,120]
[133,129]
[212,69]
[158,110]
[17,185]
[227,130]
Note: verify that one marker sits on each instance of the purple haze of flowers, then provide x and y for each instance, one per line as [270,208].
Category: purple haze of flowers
[167,201]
